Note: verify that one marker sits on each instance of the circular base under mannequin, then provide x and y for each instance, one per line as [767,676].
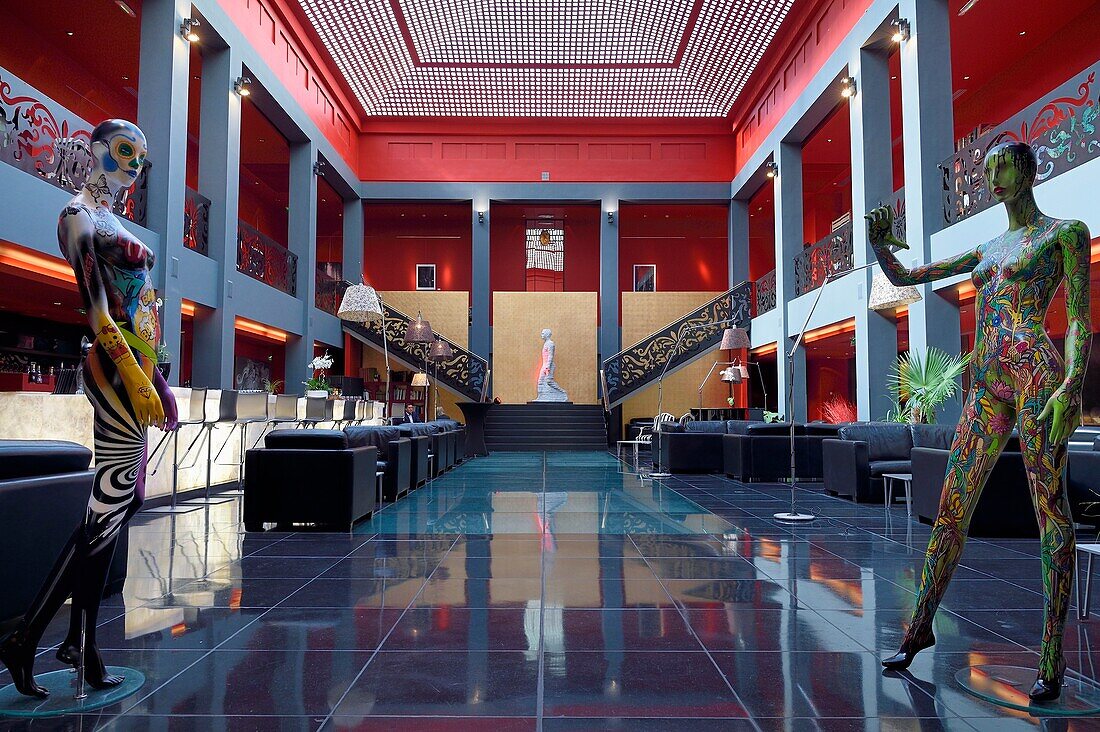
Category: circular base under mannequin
[793,516]
[62,688]
[1007,686]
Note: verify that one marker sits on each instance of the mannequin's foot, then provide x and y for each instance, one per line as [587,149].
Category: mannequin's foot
[1049,688]
[908,651]
[95,672]
[17,653]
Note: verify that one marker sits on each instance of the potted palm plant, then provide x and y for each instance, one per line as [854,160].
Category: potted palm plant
[920,386]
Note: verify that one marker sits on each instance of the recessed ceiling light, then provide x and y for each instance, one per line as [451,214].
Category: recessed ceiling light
[57,303]
[125,7]
[1023,33]
[126,78]
[966,78]
[68,33]
[828,139]
[893,77]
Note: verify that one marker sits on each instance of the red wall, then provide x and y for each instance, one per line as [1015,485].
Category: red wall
[258,349]
[762,231]
[688,243]
[444,149]
[508,254]
[398,236]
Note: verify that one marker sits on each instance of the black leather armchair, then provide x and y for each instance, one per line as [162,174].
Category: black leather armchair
[309,477]
[44,489]
[695,447]
[762,453]
[418,435]
[854,462]
[1004,508]
[394,456]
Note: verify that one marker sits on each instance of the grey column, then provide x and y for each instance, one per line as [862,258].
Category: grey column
[737,252]
[219,180]
[609,281]
[353,240]
[162,116]
[788,244]
[928,129]
[872,183]
[481,336]
[302,233]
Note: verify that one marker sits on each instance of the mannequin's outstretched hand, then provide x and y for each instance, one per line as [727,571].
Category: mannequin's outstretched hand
[880,229]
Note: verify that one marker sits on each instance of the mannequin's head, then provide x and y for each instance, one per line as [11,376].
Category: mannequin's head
[545,334]
[1010,170]
[119,149]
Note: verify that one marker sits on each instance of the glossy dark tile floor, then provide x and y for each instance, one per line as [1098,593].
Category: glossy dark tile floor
[561,592]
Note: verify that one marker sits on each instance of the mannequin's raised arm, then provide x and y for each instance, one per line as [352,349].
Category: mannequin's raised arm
[880,224]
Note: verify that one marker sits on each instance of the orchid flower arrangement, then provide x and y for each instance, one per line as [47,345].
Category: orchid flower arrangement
[318,366]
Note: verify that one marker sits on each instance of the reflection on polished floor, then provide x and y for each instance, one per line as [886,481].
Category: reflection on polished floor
[560,592]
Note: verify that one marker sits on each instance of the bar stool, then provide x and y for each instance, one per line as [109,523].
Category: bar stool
[196,415]
[286,412]
[227,414]
[251,409]
[318,410]
[350,408]
[362,409]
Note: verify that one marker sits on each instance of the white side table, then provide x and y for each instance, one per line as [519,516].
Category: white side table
[906,480]
[635,443]
[1083,602]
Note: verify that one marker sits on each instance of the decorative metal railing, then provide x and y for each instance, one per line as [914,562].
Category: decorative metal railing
[464,373]
[262,258]
[830,256]
[330,287]
[42,138]
[196,222]
[1062,127]
[641,364]
[764,291]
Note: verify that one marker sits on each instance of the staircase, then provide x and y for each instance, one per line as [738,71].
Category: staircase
[547,426]
[677,344]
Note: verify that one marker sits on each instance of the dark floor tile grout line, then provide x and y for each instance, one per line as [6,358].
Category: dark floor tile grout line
[210,651]
[683,616]
[540,684]
[382,642]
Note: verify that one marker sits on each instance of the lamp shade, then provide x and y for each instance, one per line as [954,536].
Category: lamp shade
[885,295]
[735,338]
[360,305]
[440,351]
[420,379]
[419,331]
[731,375]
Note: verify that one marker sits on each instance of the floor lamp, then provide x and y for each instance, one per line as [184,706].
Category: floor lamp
[362,304]
[420,331]
[884,296]
[736,337]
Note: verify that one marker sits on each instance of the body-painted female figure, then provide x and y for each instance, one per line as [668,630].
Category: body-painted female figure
[128,394]
[1018,378]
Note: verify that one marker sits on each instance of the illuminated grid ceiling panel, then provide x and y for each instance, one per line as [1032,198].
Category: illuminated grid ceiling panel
[543,58]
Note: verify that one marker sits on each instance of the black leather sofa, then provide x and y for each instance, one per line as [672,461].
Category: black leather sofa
[44,490]
[762,452]
[854,462]
[394,456]
[1004,508]
[695,447]
[309,477]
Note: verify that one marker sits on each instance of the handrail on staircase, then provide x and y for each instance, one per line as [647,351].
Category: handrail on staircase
[639,365]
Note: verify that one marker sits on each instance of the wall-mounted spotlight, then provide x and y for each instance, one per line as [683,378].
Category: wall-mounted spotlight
[481,217]
[901,30]
[611,217]
[319,167]
[241,86]
[848,87]
[187,30]
[771,169]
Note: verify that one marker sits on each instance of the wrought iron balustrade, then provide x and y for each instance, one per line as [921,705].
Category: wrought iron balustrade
[830,256]
[1061,127]
[262,258]
[46,140]
[196,222]
[641,364]
[464,373]
[764,291]
[330,287]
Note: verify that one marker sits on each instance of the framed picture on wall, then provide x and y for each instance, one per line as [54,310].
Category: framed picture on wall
[645,278]
[425,276]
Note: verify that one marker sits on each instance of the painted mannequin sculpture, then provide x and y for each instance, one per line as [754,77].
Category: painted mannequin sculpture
[1017,379]
[548,389]
[127,392]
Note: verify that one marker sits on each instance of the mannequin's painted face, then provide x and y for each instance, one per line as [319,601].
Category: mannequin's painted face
[1007,173]
[122,154]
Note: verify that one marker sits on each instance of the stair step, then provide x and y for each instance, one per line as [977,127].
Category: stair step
[548,426]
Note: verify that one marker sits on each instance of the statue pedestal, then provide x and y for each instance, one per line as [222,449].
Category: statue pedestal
[62,688]
[1007,686]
